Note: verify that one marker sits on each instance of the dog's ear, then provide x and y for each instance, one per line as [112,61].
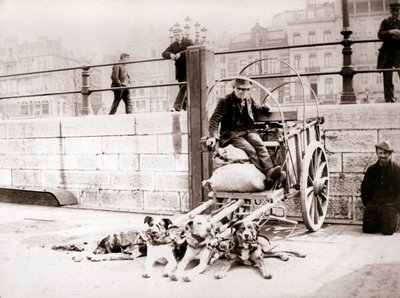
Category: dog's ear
[235,225]
[189,225]
[167,222]
[148,219]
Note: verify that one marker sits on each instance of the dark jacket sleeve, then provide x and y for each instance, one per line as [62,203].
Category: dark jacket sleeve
[168,51]
[115,76]
[367,186]
[383,32]
[216,118]
[264,109]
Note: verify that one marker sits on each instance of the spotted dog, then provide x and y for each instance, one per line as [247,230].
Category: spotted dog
[164,245]
[130,244]
[245,247]
[198,233]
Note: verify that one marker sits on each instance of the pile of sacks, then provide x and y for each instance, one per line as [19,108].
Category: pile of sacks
[233,172]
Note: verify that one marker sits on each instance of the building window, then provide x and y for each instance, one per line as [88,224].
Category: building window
[311,37]
[297,62]
[328,60]
[329,86]
[376,6]
[274,67]
[296,38]
[327,36]
[361,7]
[313,60]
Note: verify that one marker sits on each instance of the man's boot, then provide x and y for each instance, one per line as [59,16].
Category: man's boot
[273,173]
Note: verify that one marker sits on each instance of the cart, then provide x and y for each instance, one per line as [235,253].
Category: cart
[302,156]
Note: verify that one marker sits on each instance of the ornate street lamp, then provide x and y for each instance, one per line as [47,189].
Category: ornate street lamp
[199,34]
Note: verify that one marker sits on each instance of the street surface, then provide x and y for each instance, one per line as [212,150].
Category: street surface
[340,261]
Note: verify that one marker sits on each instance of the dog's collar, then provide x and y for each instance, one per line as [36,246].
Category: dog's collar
[195,241]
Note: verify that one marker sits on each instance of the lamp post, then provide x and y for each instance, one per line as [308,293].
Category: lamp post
[199,32]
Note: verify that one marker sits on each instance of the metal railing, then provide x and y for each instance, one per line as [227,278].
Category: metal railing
[347,72]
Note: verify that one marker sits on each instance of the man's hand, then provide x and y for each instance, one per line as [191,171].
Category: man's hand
[211,142]
[177,56]
[395,33]
[172,56]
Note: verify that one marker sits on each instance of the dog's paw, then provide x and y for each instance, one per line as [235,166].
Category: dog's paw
[146,275]
[187,278]
[166,274]
[219,275]
[173,277]
[267,276]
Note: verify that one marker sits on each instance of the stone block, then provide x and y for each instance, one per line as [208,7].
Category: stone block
[160,123]
[350,140]
[91,126]
[17,146]
[3,130]
[121,199]
[181,162]
[359,116]
[126,180]
[357,208]
[38,128]
[357,162]
[176,144]
[129,144]
[89,198]
[184,201]
[128,162]
[72,162]
[345,184]
[87,145]
[49,146]
[5,177]
[156,162]
[172,181]
[52,178]
[334,162]
[392,135]
[339,207]
[84,179]
[161,201]
[108,162]
[26,178]
[23,162]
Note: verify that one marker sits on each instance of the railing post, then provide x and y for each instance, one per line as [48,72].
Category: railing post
[347,72]
[200,77]
[85,91]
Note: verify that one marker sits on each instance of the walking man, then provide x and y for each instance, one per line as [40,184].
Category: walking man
[120,78]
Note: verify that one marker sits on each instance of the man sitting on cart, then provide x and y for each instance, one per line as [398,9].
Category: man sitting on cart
[234,118]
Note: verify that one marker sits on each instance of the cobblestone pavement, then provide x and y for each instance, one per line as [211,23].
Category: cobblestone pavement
[340,261]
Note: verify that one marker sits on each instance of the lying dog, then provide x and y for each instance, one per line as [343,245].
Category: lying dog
[198,233]
[245,247]
[164,245]
[249,248]
[130,244]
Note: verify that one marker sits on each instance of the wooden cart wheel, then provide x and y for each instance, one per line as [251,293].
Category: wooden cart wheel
[314,186]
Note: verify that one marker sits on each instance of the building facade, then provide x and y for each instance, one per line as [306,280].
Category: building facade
[43,54]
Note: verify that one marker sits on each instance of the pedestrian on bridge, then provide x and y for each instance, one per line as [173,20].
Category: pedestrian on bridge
[120,78]
[389,53]
[177,51]
[380,193]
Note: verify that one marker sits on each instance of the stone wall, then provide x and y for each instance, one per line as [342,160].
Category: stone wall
[130,162]
[140,162]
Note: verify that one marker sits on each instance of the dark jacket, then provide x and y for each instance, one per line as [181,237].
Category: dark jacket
[180,64]
[120,76]
[371,179]
[389,45]
[227,113]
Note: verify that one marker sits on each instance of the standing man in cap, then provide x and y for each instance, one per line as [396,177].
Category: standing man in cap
[177,52]
[120,78]
[380,193]
[389,53]
[234,115]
